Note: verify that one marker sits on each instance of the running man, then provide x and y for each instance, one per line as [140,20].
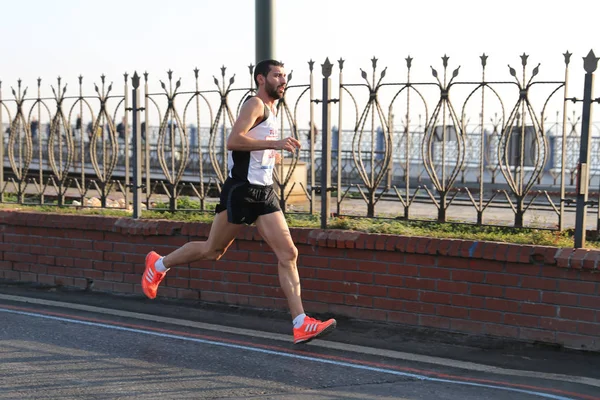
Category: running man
[247,197]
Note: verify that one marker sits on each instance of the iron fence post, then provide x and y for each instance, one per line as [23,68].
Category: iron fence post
[137,146]
[326,144]
[590,63]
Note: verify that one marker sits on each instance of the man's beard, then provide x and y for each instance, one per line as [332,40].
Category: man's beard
[273,91]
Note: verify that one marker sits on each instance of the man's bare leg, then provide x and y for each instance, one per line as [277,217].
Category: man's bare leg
[274,230]
[222,233]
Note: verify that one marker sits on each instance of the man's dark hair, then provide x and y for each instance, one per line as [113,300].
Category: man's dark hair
[263,68]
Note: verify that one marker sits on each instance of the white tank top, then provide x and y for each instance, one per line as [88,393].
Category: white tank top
[256,167]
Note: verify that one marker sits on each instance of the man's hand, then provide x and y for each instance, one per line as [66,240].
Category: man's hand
[290,144]
[278,158]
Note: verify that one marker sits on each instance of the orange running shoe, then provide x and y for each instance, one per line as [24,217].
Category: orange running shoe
[312,329]
[151,277]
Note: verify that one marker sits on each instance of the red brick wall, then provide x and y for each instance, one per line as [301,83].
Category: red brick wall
[530,293]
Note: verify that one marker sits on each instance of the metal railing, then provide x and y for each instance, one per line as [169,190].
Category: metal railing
[513,143]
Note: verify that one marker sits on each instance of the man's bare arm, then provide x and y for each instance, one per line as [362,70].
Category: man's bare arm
[251,112]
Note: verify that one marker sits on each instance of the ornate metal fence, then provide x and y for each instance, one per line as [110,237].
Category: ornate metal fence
[410,149]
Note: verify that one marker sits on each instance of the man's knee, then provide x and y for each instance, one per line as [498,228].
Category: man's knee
[289,255]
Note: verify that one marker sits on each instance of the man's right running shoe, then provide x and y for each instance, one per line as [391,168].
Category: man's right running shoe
[312,329]
[151,277]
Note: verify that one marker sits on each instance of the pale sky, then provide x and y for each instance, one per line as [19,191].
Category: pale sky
[71,37]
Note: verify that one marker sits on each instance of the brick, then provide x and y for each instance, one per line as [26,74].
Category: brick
[559,298]
[577,314]
[404,270]
[420,259]
[522,294]
[411,246]
[502,305]
[371,266]
[523,269]
[390,245]
[478,250]
[486,290]
[434,322]
[388,304]
[489,250]
[577,287]
[467,248]
[422,245]
[563,256]
[113,276]
[467,326]
[389,280]
[360,254]
[588,329]
[525,255]
[513,253]
[561,325]
[452,262]
[249,290]
[453,312]
[486,265]
[309,261]
[434,297]
[577,257]
[343,287]
[468,301]
[502,279]
[390,257]
[501,330]
[501,251]
[468,276]
[589,302]
[417,283]
[434,273]
[339,309]
[400,293]
[454,250]
[592,260]
[356,300]
[373,290]
[539,309]
[522,320]
[237,277]
[419,307]
[528,282]
[444,246]
[359,277]
[401,243]
[402,318]
[432,248]
[380,242]
[265,280]
[332,275]
[486,316]
[263,258]
[452,287]
[374,315]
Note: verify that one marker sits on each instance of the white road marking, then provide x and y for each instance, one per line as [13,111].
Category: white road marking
[397,355]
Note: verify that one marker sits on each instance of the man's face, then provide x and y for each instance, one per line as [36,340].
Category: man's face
[275,82]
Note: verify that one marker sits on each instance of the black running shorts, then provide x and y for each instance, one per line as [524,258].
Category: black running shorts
[245,202]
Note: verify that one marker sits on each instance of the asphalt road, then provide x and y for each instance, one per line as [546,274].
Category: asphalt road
[67,350]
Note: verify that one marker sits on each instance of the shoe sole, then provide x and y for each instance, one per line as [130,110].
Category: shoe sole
[324,332]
